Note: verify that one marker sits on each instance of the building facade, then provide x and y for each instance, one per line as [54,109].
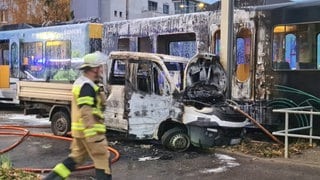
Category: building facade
[115,10]
[46,12]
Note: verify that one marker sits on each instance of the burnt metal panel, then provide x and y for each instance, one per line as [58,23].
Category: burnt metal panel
[152,27]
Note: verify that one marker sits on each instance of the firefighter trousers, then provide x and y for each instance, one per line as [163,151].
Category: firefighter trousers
[96,150]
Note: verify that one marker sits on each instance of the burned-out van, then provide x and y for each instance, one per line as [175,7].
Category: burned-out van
[173,99]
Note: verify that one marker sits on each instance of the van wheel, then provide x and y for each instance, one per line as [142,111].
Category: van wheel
[176,139]
[60,123]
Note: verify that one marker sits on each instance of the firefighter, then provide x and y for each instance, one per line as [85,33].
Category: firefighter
[87,128]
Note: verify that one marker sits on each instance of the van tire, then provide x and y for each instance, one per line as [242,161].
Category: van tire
[60,123]
[176,139]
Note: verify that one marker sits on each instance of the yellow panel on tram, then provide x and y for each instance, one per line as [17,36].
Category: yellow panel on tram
[4,76]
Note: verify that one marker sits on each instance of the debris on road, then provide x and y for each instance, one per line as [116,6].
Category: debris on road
[268,149]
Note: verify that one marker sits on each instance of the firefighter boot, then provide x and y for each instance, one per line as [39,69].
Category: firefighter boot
[101,175]
[62,170]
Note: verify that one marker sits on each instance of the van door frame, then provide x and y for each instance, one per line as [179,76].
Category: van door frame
[146,110]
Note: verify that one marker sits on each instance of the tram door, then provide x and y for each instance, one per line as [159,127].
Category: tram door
[4,64]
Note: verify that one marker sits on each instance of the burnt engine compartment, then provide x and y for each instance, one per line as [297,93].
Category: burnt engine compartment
[202,95]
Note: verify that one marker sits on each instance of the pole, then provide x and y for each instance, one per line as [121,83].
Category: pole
[227,39]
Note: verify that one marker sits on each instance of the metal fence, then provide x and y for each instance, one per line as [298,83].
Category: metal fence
[306,110]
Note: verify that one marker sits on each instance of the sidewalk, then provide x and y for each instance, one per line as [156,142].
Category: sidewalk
[309,157]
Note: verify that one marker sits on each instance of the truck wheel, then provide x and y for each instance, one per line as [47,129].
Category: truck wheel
[176,139]
[60,123]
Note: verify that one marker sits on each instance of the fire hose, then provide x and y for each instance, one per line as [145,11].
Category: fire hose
[23,132]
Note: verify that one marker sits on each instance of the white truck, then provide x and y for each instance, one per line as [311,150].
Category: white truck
[175,100]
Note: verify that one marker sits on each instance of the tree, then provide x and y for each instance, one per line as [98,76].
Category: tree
[37,11]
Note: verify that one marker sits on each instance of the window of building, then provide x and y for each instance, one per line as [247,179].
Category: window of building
[3,16]
[192,7]
[115,13]
[152,6]
[178,8]
[120,14]
[165,9]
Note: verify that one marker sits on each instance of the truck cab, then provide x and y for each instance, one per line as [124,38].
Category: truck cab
[172,99]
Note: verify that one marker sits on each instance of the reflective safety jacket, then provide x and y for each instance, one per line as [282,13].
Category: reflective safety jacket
[87,116]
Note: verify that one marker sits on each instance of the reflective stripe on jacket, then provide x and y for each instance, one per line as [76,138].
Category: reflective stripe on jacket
[83,127]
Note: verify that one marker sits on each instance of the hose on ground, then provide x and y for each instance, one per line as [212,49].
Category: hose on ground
[23,132]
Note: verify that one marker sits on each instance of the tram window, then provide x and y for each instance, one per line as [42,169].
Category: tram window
[4,52]
[293,47]
[124,44]
[33,63]
[4,58]
[182,48]
[14,62]
[243,55]
[318,51]
[291,51]
[178,44]
[58,57]
[217,42]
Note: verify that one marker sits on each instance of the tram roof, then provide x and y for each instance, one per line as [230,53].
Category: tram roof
[292,12]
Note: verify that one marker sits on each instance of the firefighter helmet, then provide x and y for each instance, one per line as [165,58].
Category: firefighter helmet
[93,60]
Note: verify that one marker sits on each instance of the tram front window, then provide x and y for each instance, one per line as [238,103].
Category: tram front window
[59,67]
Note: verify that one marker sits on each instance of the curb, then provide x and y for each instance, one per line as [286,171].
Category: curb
[271,160]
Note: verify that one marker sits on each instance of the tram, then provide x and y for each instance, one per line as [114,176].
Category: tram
[276,59]
[44,54]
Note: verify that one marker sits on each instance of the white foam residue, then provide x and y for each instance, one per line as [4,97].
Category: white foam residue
[232,164]
[28,119]
[226,162]
[148,158]
[224,157]
[214,170]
